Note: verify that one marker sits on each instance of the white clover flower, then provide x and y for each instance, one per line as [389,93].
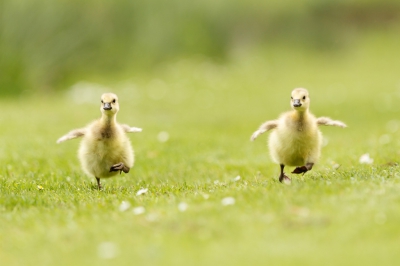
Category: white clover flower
[141,191]
[124,206]
[365,159]
[236,178]
[138,210]
[182,206]
[228,201]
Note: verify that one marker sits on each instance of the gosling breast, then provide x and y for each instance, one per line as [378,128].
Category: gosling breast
[103,147]
[295,142]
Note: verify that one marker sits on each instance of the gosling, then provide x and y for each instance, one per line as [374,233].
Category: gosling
[105,149]
[296,140]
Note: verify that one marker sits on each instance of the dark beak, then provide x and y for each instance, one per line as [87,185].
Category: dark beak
[296,103]
[107,106]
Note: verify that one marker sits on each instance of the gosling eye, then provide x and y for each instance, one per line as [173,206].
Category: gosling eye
[114,101]
[291,98]
[102,101]
[304,97]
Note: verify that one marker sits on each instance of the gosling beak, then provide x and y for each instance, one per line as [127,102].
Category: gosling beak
[296,103]
[107,106]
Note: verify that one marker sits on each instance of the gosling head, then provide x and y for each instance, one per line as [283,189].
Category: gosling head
[300,100]
[109,104]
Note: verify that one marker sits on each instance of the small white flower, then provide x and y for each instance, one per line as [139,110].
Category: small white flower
[228,201]
[236,178]
[206,196]
[107,250]
[163,136]
[365,159]
[139,210]
[182,206]
[124,206]
[141,191]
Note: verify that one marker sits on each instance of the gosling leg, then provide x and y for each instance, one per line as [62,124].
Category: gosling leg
[303,169]
[284,178]
[98,183]
[119,167]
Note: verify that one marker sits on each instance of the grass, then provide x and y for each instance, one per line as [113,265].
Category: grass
[343,216]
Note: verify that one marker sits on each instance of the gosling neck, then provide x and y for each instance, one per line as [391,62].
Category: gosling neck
[301,114]
[109,119]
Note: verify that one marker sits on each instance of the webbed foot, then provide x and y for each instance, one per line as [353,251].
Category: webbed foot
[285,179]
[303,169]
[119,167]
[300,170]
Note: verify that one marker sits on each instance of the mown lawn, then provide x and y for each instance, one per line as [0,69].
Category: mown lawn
[194,152]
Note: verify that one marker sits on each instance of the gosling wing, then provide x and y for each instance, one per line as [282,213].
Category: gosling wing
[264,128]
[326,121]
[129,129]
[76,133]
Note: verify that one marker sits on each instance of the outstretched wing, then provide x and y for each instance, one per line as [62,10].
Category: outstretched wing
[76,133]
[326,121]
[129,129]
[264,128]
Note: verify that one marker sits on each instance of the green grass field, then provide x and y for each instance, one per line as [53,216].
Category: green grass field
[52,214]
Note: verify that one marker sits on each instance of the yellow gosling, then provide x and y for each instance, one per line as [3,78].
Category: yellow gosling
[105,148]
[296,139]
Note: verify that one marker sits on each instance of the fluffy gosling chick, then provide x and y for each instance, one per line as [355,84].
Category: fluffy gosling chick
[296,139]
[105,148]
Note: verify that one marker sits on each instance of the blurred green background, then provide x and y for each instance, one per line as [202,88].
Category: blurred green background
[205,74]
[49,45]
